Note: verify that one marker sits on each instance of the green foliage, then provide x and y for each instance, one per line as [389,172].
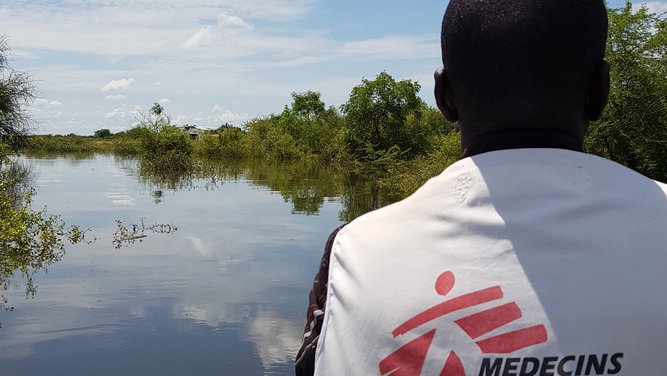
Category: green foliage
[306,128]
[117,144]
[232,143]
[17,91]
[633,130]
[405,177]
[61,144]
[163,146]
[308,104]
[226,142]
[270,137]
[317,130]
[377,113]
[102,133]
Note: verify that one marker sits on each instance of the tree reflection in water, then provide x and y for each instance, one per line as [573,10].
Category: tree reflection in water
[307,185]
[30,240]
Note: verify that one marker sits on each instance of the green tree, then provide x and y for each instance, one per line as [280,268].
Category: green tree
[308,104]
[102,133]
[17,91]
[376,115]
[633,130]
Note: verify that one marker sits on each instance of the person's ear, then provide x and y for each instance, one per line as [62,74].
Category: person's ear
[444,96]
[598,92]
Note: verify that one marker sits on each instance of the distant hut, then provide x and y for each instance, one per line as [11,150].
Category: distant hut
[193,131]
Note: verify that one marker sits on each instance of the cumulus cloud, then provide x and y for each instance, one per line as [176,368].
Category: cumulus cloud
[164,101]
[114,97]
[121,84]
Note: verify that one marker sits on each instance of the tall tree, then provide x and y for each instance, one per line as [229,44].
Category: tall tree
[377,111]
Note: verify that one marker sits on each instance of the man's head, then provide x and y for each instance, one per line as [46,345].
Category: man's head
[523,64]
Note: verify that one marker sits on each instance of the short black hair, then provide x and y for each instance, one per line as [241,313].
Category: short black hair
[518,49]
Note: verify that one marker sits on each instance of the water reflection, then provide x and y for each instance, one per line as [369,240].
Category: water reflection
[307,185]
[29,241]
[224,294]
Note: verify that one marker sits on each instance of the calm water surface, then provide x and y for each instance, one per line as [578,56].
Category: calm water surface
[225,294]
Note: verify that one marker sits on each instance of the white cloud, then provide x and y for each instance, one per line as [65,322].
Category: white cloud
[229,21]
[201,38]
[116,112]
[230,117]
[209,35]
[164,101]
[121,84]
[226,116]
[114,97]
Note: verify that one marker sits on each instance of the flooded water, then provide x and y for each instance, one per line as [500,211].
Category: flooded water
[221,290]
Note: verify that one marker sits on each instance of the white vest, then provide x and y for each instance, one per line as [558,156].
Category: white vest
[528,262]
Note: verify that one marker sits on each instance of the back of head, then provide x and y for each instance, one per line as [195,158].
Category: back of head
[522,52]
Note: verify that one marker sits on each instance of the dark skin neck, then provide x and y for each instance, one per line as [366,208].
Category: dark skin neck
[537,125]
[519,138]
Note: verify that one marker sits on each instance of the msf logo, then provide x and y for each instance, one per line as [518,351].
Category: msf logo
[409,359]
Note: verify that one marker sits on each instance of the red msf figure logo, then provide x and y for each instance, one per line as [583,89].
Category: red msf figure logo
[409,359]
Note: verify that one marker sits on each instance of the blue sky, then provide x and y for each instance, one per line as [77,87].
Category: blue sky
[98,63]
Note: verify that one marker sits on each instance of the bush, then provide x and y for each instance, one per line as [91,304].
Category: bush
[163,145]
[633,130]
